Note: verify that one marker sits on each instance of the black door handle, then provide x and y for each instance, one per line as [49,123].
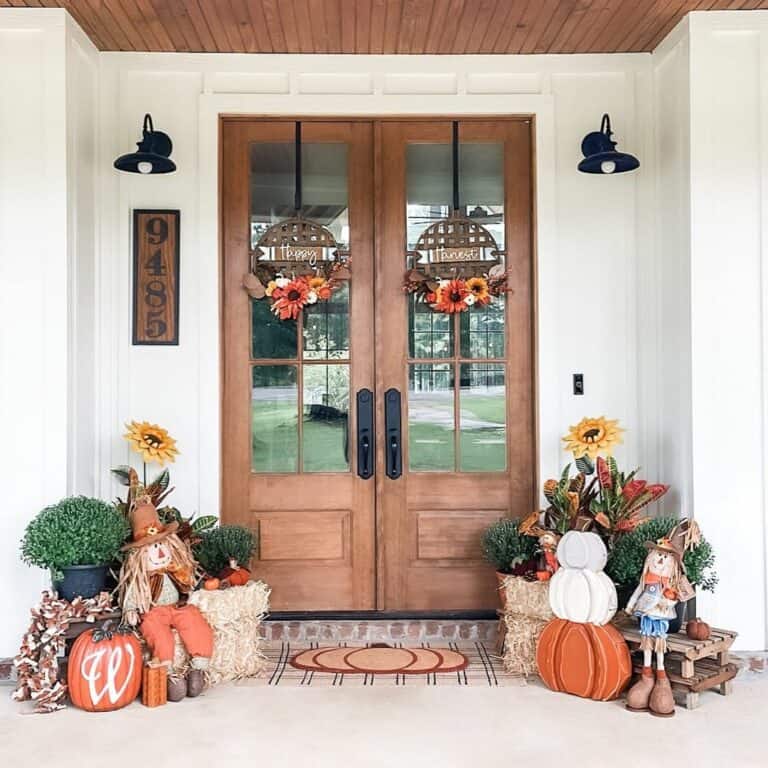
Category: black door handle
[392,424]
[365,434]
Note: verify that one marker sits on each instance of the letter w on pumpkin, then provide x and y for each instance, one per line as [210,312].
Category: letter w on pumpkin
[90,670]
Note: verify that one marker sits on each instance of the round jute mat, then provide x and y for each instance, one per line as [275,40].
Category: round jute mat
[380,660]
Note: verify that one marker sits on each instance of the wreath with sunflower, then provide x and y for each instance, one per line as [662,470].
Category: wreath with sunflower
[456,264]
[457,293]
[296,263]
[289,294]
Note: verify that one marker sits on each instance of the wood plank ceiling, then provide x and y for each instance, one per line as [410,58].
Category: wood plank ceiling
[382,26]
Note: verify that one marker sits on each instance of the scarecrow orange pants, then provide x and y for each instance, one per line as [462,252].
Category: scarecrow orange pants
[194,630]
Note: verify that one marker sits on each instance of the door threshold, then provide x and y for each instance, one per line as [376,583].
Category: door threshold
[472,615]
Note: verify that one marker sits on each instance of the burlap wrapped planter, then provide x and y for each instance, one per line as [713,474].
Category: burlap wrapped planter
[528,612]
[235,615]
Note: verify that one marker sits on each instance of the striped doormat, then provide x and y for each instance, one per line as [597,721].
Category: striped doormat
[484,669]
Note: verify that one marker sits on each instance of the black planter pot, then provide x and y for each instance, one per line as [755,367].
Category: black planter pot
[680,612]
[81,581]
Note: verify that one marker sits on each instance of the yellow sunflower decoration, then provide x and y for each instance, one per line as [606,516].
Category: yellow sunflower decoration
[592,437]
[151,442]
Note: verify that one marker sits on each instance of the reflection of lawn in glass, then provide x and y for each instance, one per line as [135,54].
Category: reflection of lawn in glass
[275,441]
[482,446]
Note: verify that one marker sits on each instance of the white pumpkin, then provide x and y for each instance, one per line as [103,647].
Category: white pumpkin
[583,596]
[580,549]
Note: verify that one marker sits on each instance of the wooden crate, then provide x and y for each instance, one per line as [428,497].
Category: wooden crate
[154,686]
[693,665]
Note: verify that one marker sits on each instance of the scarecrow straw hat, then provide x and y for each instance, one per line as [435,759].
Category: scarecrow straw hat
[681,538]
[146,525]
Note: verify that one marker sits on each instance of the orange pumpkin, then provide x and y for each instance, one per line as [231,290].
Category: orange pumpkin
[697,629]
[586,660]
[211,584]
[236,576]
[104,671]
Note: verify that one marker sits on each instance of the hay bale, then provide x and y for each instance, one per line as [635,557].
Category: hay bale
[528,612]
[520,643]
[235,615]
[528,598]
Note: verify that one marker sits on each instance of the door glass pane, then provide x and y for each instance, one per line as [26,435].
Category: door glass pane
[431,418]
[325,423]
[326,327]
[322,331]
[482,330]
[430,333]
[324,186]
[274,419]
[271,338]
[482,408]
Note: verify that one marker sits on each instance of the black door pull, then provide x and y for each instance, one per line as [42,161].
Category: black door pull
[392,425]
[365,435]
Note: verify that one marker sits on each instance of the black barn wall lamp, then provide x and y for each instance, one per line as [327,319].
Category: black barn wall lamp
[600,155]
[152,155]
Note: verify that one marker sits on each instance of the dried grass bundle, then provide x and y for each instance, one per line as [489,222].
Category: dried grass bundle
[235,615]
[528,612]
[529,598]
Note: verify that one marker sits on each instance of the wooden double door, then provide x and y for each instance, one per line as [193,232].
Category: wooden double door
[357,506]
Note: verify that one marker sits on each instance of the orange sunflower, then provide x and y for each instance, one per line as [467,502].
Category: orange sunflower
[291,299]
[151,442]
[479,289]
[451,297]
[321,287]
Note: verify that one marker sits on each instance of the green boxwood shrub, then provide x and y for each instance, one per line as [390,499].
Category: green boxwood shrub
[218,545]
[505,547]
[626,559]
[75,531]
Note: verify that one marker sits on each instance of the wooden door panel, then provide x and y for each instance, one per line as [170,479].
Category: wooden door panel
[430,522]
[315,529]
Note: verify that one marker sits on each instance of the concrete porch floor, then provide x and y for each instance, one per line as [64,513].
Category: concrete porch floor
[388,726]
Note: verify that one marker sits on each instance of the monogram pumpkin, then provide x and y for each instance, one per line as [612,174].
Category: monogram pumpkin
[583,659]
[582,595]
[104,670]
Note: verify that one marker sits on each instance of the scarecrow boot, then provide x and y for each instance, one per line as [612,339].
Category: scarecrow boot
[662,702]
[639,694]
[177,687]
[196,677]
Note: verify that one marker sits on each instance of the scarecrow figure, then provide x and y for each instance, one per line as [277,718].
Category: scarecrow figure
[547,563]
[157,576]
[663,584]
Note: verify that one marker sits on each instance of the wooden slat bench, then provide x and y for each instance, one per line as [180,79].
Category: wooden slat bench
[693,665]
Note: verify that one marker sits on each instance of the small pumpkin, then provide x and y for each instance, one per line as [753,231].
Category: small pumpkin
[211,584]
[104,671]
[697,629]
[235,575]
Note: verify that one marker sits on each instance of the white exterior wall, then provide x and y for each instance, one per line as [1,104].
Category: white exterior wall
[41,240]
[729,301]
[706,290]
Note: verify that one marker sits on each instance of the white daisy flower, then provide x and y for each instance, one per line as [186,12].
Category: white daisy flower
[311,297]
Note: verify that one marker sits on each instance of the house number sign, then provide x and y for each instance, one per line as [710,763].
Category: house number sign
[156,277]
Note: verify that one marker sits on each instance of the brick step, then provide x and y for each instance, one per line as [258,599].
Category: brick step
[380,630]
